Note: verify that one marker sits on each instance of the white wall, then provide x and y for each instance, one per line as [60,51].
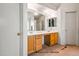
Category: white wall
[61,20]
[47,12]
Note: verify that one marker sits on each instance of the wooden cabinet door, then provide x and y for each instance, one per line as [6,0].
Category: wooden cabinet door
[47,39]
[56,37]
[38,42]
[30,44]
[52,39]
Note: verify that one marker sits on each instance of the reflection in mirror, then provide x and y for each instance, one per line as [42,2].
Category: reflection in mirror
[39,22]
[36,21]
[30,21]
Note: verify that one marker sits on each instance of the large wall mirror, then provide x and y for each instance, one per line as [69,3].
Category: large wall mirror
[39,22]
[36,21]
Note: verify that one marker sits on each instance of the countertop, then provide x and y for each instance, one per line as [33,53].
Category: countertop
[39,32]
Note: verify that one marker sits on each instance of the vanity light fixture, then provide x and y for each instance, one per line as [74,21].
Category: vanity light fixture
[35,13]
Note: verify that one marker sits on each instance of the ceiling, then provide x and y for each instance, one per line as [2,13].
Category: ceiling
[53,6]
[48,9]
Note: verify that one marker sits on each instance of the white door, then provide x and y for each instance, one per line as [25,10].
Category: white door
[9,27]
[71,28]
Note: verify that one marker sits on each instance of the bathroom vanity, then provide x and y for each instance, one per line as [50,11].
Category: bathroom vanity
[41,31]
[35,40]
[51,39]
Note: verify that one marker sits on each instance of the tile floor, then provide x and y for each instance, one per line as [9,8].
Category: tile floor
[58,50]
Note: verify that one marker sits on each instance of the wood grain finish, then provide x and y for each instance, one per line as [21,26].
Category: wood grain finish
[56,38]
[30,44]
[47,39]
[38,42]
[51,39]
[34,43]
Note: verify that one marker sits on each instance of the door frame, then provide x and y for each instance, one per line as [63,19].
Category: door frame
[21,29]
[66,27]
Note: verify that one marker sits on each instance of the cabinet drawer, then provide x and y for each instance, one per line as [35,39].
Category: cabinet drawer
[38,41]
[31,37]
[39,36]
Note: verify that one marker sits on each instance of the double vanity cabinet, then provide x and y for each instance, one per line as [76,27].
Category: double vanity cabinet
[35,41]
